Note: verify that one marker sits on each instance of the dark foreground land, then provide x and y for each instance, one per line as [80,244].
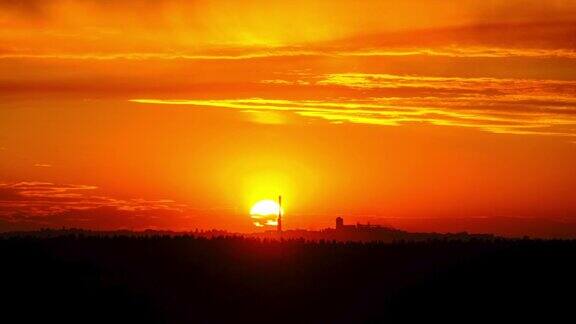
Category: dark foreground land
[85,279]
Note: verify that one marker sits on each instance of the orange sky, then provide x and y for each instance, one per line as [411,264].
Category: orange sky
[426,115]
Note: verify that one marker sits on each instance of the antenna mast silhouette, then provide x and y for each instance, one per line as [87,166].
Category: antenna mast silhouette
[279,227]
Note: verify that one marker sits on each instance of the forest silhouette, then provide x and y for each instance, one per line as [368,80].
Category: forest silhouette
[184,278]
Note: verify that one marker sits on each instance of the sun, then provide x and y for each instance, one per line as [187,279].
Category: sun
[265,207]
[265,213]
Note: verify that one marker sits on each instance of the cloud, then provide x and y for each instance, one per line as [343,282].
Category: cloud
[30,205]
[222,54]
[472,85]
[506,106]
[99,218]
[37,203]
[250,53]
[463,52]
[171,29]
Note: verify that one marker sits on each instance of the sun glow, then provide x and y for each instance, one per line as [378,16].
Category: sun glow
[265,213]
[265,207]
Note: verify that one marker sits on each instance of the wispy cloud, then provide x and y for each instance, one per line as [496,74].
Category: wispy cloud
[223,54]
[508,106]
[249,53]
[367,80]
[463,52]
[44,198]
[35,204]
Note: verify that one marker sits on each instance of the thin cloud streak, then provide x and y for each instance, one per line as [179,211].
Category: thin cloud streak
[503,106]
[257,53]
[45,198]
[507,86]
[466,52]
[386,115]
[161,56]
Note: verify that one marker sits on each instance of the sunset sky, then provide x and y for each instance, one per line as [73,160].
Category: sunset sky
[425,115]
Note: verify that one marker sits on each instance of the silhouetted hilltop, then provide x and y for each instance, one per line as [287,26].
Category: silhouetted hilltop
[79,232]
[340,233]
[368,233]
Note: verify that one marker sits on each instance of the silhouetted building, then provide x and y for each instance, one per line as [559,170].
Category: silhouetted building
[369,226]
[279,227]
[341,227]
[339,223]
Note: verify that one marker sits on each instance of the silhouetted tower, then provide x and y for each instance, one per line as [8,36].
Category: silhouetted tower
[339,223]
[279,227]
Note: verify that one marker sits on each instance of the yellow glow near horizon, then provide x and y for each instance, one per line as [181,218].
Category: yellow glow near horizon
[266,183]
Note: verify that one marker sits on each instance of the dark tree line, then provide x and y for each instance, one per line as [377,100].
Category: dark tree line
[184,279]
